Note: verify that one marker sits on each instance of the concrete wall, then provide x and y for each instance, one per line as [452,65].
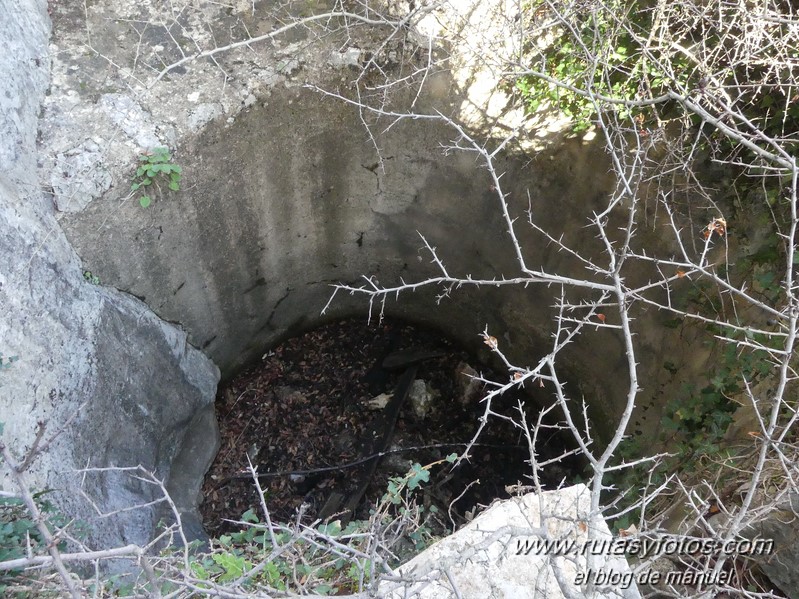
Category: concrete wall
[289,199]
[283,195]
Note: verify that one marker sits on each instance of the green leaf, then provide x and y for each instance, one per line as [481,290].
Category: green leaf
[198,571]
[144,201]
[233,565]
[174,185]
[418,476]
[272,573]
[249,516]
[452,457]
[324,589]
[333,529]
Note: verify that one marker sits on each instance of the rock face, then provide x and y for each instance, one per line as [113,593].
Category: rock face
[490,558]
[126,388]
[780,526]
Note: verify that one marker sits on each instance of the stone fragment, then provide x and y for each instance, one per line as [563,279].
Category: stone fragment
[423,398]
[79,177]
[203,114]
[379,402]
[468,385]
[351,57]
[487,557]
[125,112]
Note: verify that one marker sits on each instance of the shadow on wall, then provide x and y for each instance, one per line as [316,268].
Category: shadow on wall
[292,198]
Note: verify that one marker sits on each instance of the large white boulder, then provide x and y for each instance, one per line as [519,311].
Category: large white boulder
[500,554]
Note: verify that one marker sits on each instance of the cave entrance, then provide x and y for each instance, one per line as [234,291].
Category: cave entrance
[330,416]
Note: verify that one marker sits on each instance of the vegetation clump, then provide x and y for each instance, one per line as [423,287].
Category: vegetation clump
[155,166]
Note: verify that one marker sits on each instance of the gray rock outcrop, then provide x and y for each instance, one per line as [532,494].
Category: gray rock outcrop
[125,388]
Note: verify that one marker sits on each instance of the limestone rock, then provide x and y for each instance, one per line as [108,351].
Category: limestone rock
[204,114]
[24,31]
[79,178]
[126,113]
[781,526]
[351,57]
[125,387]
[482,560]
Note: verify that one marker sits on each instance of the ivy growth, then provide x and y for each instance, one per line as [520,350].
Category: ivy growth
[19,534]
[155,165]
[235,555]
[695,422]
[610,52]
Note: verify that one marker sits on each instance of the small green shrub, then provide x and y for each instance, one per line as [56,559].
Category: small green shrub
[316,564]
[625,72]
[91,278]
[19,534]
[155,165]
[694,423]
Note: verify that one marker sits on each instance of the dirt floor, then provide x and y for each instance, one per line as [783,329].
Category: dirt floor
[301,415]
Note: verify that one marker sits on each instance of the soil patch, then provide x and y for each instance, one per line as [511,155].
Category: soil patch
[301,415]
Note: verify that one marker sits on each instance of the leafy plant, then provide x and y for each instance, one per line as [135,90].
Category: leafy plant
[417,475]
[611,33]
[694,423]
[91,278]
[19,535]
[278,559]
[155,165]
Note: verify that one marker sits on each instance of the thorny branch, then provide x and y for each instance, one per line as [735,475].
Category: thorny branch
[639,157]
